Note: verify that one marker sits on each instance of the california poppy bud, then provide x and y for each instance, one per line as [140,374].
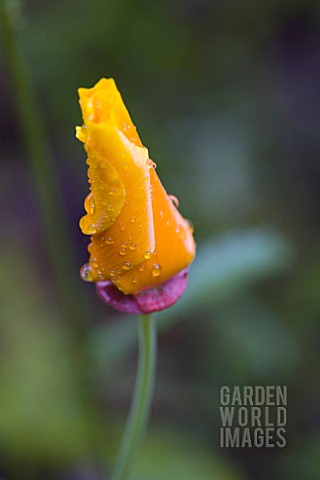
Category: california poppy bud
[140,246]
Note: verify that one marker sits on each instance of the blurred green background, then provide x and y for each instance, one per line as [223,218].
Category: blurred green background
[226,97]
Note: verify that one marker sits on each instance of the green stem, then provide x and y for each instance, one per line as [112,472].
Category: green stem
[140,408]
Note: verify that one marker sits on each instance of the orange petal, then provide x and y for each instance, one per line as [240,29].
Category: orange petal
[106,199]
[175,246]
[139,240]
[103,102]
[131,234]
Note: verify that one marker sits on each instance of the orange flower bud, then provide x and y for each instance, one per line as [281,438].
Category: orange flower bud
[139,240]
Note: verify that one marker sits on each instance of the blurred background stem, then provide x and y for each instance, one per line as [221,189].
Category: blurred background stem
[42,166]
[140,408]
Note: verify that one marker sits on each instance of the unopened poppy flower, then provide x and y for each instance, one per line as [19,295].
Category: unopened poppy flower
[141,246]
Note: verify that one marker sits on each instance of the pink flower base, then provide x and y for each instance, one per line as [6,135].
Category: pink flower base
[147,301]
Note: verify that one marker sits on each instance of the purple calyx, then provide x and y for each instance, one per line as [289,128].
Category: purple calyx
[146,301]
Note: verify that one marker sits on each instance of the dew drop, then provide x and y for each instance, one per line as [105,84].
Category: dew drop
[92,229]
[86,273]
[181,232]
[132,219]
[94,263]
[141,268]
[134,280]
[168,224]
[156,270]
[92,206]
[109,208]
[191,226]
[151,163]
[133,246]
[122,228]
[122,251]
[127,266]
[147,255]
[109,241]
[125,245]
[89,204]
[112,192]
[112,273]
[174,200]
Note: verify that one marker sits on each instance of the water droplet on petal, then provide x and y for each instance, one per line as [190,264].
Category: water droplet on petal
[86,273]
[132,219]
[134,280]
[181,232]
[133,246]
[109,241]
[94,263]
[122,228]
[92,229]
[127,266]
[156,270]
[89,204]
[147,255]
[112,192]
[141,268]
[174,200]
[151,163]
[92,206]
[191,226]
[122,251]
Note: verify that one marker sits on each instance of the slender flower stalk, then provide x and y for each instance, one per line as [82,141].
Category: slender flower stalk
[140,408]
